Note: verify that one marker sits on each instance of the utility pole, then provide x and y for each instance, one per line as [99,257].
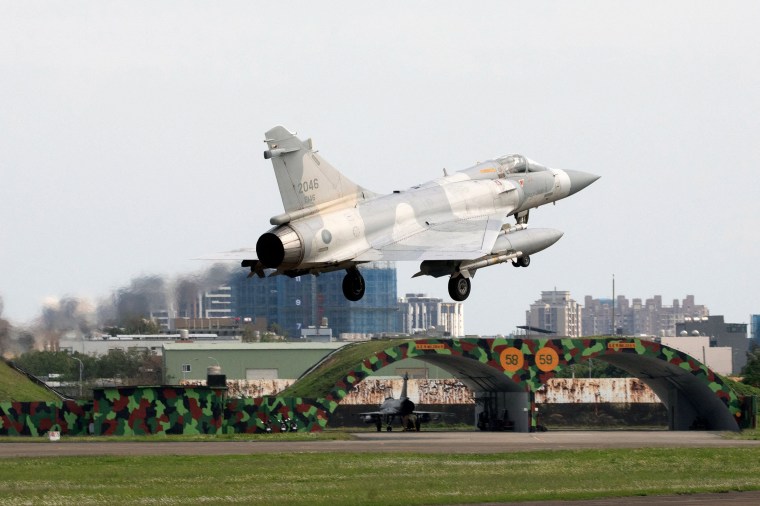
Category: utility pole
[614,329]
[81,368]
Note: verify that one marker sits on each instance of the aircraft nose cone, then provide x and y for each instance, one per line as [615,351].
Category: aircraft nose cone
[579,180]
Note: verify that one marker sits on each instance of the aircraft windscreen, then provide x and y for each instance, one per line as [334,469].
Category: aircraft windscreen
[513,164]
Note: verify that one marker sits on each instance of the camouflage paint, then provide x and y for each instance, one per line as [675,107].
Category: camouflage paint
[453,224]
[203,410]
[158,410]
[532,362]
[37,418]
[254,415]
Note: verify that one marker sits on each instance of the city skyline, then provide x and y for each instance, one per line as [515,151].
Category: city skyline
[132,137]
[166,299]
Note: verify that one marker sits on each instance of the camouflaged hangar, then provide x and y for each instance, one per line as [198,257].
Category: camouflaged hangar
[509,371]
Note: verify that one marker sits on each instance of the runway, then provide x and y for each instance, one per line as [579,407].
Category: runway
[410,442]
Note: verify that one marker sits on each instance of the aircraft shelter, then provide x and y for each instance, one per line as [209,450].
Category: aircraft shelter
[506,373]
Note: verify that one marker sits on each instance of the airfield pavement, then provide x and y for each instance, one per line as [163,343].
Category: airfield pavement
[412,442]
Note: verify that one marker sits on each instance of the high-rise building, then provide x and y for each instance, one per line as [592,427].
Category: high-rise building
[217,303]
[419,312]
[634,317]
[754,329]
[303,301]
[557,312]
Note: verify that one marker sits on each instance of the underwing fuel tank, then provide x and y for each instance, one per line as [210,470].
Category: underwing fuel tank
[513,245]
[527,241]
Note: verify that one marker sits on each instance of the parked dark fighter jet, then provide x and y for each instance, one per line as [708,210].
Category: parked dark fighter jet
[454,225]
[401,408]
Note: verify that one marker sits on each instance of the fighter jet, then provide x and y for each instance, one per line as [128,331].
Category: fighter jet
[401,408]
[454,225]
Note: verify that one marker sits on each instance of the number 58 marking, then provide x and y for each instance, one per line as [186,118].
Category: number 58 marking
[511,359]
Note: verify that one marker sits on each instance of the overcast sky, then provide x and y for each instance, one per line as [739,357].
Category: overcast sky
[131,135]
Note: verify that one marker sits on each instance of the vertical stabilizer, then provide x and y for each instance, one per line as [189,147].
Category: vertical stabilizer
[403,387]
[305,178]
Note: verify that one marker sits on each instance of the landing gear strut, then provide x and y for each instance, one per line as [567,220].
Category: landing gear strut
[459,288]
[353,284]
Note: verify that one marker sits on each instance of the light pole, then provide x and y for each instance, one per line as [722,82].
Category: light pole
[81,368]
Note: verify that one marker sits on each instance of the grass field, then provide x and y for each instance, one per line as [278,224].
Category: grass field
[373,478]
[16,387]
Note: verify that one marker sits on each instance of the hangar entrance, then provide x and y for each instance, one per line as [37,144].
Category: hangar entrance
[500,403]
[504,374]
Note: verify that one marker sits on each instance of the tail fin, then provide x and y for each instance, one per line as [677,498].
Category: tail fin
[305,178]
[403,387]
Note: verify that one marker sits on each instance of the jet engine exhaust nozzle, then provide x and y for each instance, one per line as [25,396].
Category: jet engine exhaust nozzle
[280,247]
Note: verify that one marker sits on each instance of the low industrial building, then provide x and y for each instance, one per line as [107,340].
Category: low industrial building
[733,335]
[257,361]
[152,343]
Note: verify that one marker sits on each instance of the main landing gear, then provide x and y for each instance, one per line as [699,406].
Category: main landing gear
[353,284]
[522,261]
[459,288]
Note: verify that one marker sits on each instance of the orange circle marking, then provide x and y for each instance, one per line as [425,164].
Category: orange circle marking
[547,359]
[512,359]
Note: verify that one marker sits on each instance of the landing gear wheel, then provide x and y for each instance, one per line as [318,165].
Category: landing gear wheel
[524,261]
[459,288]
[379,426]
[389,428]
[353,285]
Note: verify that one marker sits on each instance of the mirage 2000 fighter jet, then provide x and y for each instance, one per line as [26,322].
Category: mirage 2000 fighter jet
[454,225]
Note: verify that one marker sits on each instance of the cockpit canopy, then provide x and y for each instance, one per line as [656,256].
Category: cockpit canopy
[516,164]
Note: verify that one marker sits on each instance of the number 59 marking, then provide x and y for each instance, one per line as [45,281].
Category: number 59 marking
[547,359]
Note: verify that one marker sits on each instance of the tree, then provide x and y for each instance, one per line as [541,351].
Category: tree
[751,371]
[119,364]
[249,334]
[140,325]
[42,363]
[278,330]
[5,330]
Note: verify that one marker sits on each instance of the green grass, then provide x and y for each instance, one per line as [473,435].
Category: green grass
[14,386]
[376,478]
[322,379]
[750,434]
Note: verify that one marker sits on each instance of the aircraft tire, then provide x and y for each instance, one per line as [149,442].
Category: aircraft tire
[459,288]
[524,261]
[353,285]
